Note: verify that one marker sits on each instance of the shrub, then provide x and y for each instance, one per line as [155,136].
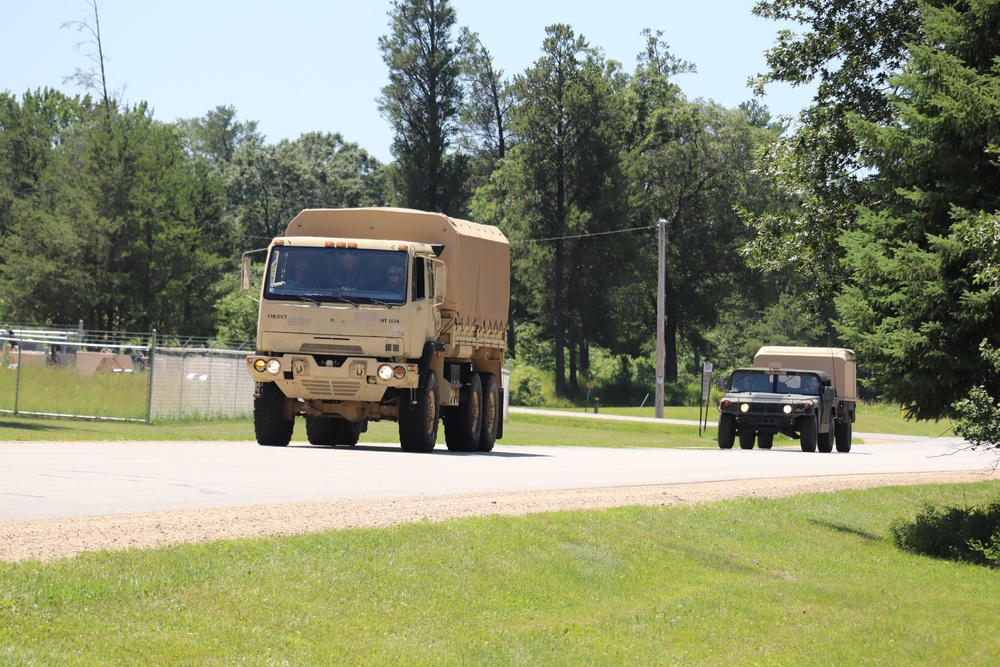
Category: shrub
[528,392]
[967,534]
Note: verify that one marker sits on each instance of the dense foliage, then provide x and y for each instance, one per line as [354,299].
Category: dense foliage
[871,223]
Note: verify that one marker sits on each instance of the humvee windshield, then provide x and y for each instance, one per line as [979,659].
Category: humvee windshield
[320,274]
[778,383]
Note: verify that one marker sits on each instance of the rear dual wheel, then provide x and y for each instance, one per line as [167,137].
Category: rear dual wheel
[472,426]
[464,422]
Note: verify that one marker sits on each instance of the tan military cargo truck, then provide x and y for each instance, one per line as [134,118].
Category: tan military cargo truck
[382,313]
[807,393]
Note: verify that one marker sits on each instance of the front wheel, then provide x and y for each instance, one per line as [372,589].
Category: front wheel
[746,439]
[269,423]
[418,417]
[807,433]
[727,430]
[765,440]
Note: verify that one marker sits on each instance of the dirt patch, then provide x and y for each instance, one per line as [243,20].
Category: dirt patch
[63,538]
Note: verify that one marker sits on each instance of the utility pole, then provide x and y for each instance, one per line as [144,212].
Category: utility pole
[661,288]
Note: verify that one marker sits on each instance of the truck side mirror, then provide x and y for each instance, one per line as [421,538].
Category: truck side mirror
[440,281]
[245,278]
[829,393]
[721,382]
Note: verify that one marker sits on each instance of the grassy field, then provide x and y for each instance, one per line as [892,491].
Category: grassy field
[809,580]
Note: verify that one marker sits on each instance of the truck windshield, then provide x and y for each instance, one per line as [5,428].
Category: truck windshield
[780,383]
[319,274]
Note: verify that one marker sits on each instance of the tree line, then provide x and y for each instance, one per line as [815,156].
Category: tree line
[869,223]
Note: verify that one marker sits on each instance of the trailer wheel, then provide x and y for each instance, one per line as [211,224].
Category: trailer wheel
[844,433]
[746,439]
[462,424]
[727,430]
[491,412]
[807,433]
[269,423]
[765,440]
[418,419]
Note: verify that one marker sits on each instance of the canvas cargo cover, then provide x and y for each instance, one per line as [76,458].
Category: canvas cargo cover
[837,361]
[477,256]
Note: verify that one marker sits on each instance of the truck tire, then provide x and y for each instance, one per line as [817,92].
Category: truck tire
[765,440]
[844,434]
[807,433]
[332,431]
[824,442]
[727,430]
[418,420]
[320,431]
[269,423]
[491,412]
[463,424]
[746,439]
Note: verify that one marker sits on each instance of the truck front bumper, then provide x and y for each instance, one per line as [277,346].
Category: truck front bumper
[355,379]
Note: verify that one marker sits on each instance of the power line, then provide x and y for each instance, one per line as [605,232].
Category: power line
[584,236]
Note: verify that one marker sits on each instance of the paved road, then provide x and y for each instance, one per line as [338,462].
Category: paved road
[78,479]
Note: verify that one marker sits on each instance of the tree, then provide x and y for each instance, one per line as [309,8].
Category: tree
[95,77]
[691,163]
[919,301]
[560,185]
[422,102]
[217,135]
[269,184]
[485,116]
[849,49]
[121,231]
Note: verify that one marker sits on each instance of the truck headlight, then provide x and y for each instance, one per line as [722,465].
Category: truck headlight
[787,409]
[744,407]
[384,372]
[273,366]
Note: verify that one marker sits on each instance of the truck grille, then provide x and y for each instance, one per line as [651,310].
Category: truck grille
[340,389]
[767,408]
[327,348]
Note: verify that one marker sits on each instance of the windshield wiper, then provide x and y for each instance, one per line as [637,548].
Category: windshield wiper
[368,299]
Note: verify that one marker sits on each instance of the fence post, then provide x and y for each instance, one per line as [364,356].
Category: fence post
[149,395]
[17,376]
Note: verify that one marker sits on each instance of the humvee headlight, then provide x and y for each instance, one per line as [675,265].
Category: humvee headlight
[787,409]
[745,407]
[384,372]
[273,366]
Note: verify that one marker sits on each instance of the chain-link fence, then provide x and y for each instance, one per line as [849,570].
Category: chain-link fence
[119,376]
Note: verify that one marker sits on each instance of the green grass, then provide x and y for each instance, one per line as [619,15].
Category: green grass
[568,428]
[809,580]
[63,391]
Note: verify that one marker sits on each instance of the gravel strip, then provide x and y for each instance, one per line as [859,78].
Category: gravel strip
[65,538]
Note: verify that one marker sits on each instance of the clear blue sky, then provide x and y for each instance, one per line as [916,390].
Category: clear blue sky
[310,65]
